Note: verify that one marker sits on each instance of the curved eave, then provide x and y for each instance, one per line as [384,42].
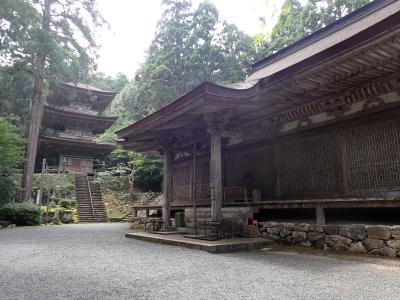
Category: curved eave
[189,101]
[55,118]
[72,114]
[77,143]
[103,98]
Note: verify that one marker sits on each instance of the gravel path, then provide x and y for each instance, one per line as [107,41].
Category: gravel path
[95,261]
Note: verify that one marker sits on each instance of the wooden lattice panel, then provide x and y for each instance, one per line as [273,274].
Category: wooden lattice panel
[374,157]
[310,166]
[181,184]
[254,169]
[203,179]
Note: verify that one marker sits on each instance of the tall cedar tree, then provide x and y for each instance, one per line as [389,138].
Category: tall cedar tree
[296,21]
[50,40]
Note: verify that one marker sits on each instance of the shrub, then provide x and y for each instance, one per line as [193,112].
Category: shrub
[21,213]
[67,203]
[148,171]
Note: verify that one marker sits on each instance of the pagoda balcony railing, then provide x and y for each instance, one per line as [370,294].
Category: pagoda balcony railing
[76,109]
[63,134]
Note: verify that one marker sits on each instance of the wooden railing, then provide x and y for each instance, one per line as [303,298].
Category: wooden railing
[90,195]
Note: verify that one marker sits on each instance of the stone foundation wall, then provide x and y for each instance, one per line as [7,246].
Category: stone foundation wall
[203,214]
[375,240]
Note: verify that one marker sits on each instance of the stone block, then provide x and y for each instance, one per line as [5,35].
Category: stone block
[395,244]
[354,232]
[269,224]
[357,247]
[289,226]
[305,243]
[371,244]
[270,236]
[302,227]
[284,233]
[273,230]
[317,228]
[338,242]
[299,236]
[395,230]
[314,236]
[289,240]
[385,251]
[379,232]
[320,244]
[331,229]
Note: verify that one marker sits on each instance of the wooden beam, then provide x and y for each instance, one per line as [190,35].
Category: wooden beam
[167,186]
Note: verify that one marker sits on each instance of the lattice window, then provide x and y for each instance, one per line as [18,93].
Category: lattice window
[374,157]
[181,184]
[253,169]
[310,167]
[203,179]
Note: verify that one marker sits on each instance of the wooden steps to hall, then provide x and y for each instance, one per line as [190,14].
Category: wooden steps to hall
[89,199]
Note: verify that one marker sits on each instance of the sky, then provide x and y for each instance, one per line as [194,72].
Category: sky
[133,24]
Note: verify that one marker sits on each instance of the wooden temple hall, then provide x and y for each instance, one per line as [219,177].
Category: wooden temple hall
[71,120]
[315,125]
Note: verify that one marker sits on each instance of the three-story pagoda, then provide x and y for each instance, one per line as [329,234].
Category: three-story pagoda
[71,121]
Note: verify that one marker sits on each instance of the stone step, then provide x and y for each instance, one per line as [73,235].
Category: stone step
[87,202]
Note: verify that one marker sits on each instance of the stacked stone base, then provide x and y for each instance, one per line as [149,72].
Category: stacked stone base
[239,214]
[374,240]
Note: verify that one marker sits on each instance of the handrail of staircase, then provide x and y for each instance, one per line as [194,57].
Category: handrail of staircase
[90,195]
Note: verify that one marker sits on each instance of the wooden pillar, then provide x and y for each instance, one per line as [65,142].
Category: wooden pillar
[278,189]
[320,215]
[134,213]
[216,176]
[167,186]
[343,162]
[146,213]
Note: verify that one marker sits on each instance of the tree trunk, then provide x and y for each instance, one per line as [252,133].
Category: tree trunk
[36,105]
[33,136]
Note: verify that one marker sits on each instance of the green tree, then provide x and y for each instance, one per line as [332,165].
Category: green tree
[191,45]
[50,40]
[296,21]
[108,83]
[11,156]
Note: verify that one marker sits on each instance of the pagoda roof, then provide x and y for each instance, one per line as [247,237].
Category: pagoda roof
[354,54]
[66,93]
[74,146]
[57,118]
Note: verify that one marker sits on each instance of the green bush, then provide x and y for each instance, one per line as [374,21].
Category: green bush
[21,213]
[67,203]
[148,171]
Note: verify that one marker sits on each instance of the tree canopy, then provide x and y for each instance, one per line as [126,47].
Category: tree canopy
[11,156]
[191,45]
[296,21]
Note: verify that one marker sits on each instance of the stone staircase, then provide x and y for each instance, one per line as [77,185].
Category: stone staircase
[90,203]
